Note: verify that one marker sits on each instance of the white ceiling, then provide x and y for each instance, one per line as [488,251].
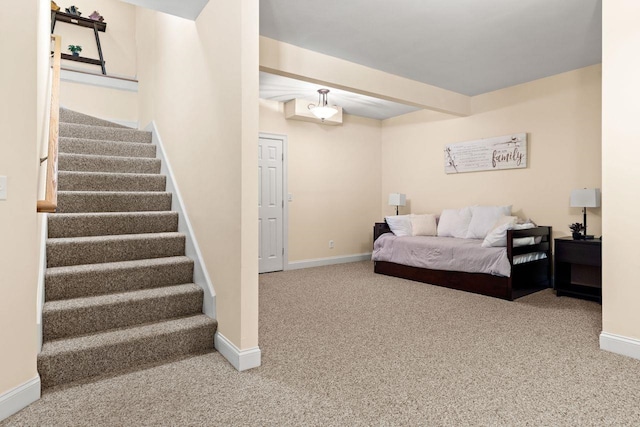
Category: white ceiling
[467,46]
[189,9]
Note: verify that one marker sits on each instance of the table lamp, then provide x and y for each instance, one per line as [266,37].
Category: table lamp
[585,198]
[397,200]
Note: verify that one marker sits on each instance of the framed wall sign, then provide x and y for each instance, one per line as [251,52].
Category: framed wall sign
[500,152]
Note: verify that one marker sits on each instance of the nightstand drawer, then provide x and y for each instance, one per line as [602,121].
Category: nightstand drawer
[580,252]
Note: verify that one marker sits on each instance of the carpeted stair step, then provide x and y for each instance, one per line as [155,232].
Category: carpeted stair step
[113,164]
[70,116]
[111,223]
[101,249]
[113,201]
[72,359]
[106,148]
[78,281]
[103,133]
[81,316]
[104,181]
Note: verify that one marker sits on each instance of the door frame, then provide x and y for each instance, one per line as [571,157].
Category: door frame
[285,194]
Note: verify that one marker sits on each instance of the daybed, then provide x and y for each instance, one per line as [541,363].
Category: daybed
[530,272]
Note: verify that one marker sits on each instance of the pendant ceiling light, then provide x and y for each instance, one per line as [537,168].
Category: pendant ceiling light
[322,110]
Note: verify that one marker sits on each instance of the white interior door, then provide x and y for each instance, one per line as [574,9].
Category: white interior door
[270,205]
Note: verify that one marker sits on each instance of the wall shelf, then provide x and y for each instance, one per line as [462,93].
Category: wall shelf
[97,26]
[81,59]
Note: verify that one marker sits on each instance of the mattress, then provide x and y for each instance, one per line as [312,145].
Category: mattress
[447,253]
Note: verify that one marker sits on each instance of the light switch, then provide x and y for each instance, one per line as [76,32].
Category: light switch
[3,188]
[290,197]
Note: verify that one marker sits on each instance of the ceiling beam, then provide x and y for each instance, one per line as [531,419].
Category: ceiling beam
[303,64]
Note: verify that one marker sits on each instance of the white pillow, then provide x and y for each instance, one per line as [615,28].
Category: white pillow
[483,219]
[423,225]
[400,225]
[454,222]
[505,219]
[498,236]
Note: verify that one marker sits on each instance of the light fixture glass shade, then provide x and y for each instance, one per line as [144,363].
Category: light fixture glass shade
[397,199]
[324,112]
[585,198]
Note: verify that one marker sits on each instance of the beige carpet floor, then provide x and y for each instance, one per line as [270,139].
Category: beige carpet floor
[343,346]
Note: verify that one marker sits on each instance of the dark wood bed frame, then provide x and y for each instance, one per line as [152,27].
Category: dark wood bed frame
[525,278]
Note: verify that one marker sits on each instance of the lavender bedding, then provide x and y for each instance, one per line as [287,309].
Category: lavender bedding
[442,253]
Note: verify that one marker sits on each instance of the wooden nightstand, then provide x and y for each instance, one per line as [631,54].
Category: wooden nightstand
[578,268]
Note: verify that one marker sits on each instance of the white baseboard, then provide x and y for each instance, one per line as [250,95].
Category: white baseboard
[127,123]
[619,344]
[42,268]
[192,250]
[318,262]
[19,397]
[240,359]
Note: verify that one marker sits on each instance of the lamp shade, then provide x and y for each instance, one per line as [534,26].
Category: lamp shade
[324,112]
[585,198]
[397,199]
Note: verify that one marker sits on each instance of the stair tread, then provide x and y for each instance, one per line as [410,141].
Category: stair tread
[97,141]
[107,133]
[111,214]
[115,237]
[117,265]
[84,280]
[108,163]
[71,116]
[120,297]
[92,314]
[122,335]
[110,174]
[97,147]
[112,193]
[114,201]
[99,181]
[111,223]
[115,158]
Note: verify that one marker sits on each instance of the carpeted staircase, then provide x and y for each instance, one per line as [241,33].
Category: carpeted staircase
[118,286]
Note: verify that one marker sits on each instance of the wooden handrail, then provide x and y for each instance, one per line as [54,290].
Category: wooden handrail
[50,202]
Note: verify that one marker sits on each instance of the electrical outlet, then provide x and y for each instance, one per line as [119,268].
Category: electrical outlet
[330,244]
[3,188]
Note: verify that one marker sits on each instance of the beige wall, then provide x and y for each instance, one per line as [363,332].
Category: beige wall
[118,41]
[561,115]
[22,86]
[334,177]
[103,102]
[620,173]
[199,82]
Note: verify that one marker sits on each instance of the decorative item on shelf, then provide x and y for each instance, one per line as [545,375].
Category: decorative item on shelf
[397,200]
[54,6]
[73,10]
[323,110]
[96,16]
[576,228]
[75,49]
[585,198]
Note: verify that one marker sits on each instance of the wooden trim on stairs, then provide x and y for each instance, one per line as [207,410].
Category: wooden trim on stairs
[50,202]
